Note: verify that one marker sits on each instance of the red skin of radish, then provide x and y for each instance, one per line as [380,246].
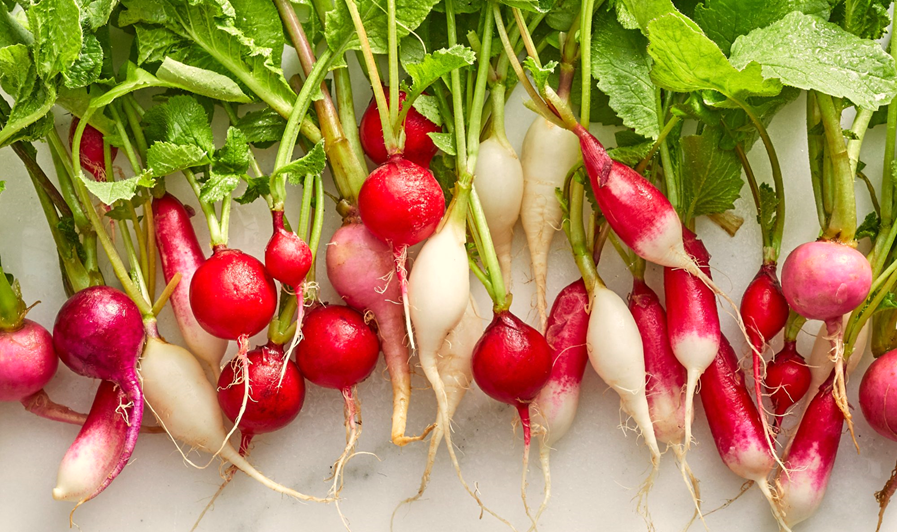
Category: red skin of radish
[787,379]
[764,308]
[99,333]
[568,323]
[273,403]
[287,257]
[511,363]
[691,304]
[666,377]
[339,349]
[824,280]
[419,147]
[876,399]
[232,295]
[27,361]
[91,150]
[401,202]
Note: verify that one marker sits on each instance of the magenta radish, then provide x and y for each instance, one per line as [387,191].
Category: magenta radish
[27,360]
[99,334]
[810,457]
[360,266]
[548,154]
[181,253]
[499,184]
[92,158]
[692,320]
[787,379]
[419,147]
[877,403]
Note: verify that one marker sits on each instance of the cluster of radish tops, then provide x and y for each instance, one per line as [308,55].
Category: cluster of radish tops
[694,85]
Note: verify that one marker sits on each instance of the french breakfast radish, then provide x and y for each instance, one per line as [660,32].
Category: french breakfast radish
[548,154]
[419,147]
[181,253]
[92,157]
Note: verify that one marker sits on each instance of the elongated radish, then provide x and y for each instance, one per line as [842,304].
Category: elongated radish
[419,147]
[92,158]
[810,457]
[99,333]
[787,379]
[876,402]
[360,266]
[692,320]
[181,253]
[500,186]
[548,154]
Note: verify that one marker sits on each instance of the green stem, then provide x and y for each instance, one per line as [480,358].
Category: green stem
[793,326]
[280,325]
[576,235]
[661,138]
[12,308]
[497,94]
[859,127]
[457,97]
[755,193]
[585,45]
[887,177]
[215,235]
[305,213]
[672,184]
[487,254]
[133,116]
[40,179]
[816,151]
[861,315]
[342,81]
[392,41]
[60,154]
[133,260]
[527,38]
[318,220]
[479,96]
[842,225]
[136,167]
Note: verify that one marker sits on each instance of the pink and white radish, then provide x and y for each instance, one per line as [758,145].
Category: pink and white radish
[548,154]
[181,253]
[876,402]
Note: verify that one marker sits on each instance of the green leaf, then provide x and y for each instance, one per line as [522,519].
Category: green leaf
[233,157]
[135,79]
[443,168]
[630,155]
[768,202]
[96,13]
[429,107]
[262,127]
[711,177]
[644,11]
[622,66]
[87,68]
[540,74]
[686,60]
[864,18]
[811,54]
[56,27]
[154,43]
[563,14]
[256,187]
[109,192]
[533,6]
[180,120]
[888,302]
[312,163]
[726,20]
[12,32]
[869,228]
[17,73]
[339,28]
[201,81]
[163,158]
[218,187]
[30,118]
[2,186]
[439,63]
[445,142]
[260,21]
[742,129]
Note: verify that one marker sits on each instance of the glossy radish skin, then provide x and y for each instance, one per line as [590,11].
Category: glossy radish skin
[811,457]
[568,325]
[181,253]
[787,379]
[339,350]
[419,147]
[764,308]
[666,377]
[97,448]
[876,399]
[287,257]
[692,320]
[27,361]
[401,202]
[823,280]
[360,266]
[548,154]
[232,295]
[499,180]
[91,150]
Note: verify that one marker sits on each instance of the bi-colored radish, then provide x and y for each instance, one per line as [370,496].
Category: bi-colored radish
[92,158]
[787,379]
[548,154]
[499,184]
[181,253]
[877,404]
[419,147]
[99,333]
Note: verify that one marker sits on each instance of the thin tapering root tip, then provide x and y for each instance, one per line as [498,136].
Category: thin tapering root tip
[839,392]
[401,257]
[642,505]
[773,504]
[228,477]
[425,478]
[544,456]
[691,483]
[526,508]
[690,386]
[884,497]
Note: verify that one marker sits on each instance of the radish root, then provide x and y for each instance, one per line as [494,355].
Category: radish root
[884,496]
[401,256]
[691,482]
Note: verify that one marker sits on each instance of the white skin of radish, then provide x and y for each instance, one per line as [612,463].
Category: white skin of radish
[454,359]
[548,154]
[500,188]
[616,353]
[800,496]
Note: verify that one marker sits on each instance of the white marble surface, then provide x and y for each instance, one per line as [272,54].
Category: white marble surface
[596,469]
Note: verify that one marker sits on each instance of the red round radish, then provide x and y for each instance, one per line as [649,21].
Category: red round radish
[764,308]
[512,361]
[273,402]
[419,147]
[287,257]
[339,349]
[401,202]
[787,378]
[232,295]
[824,280]
[876,401]
[27,361]
[91,151]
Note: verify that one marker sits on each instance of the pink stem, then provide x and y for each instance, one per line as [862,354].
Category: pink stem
[40,404]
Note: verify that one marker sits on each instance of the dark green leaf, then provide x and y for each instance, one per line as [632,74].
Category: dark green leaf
[444,141]
[563,14]
[439,63]
[218,187]
[163,158]
[888,302]
[711,177]
[17,72]
[56,27]
[312,163]
[234,156]
[89,65]
[96,13]
[256,187]
[339,28]
[768,202]
[180,120]
[429,107]
[443,168]
[260,21]
[630,155]
[540,73]
[644,11]
[864,18]
[869,228]
[109,192]
[262,127]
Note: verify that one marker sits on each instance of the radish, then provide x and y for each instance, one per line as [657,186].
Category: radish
[419,147]
[735,423]
[512,363]
[181,253]
[27,359]
[764,308]
[810,457]
[554,409]
[548,153]
[876,403]
[692,320]
[787,379]
[500,185]
[99,334]
[92,158]
[359,267]
[288,258]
